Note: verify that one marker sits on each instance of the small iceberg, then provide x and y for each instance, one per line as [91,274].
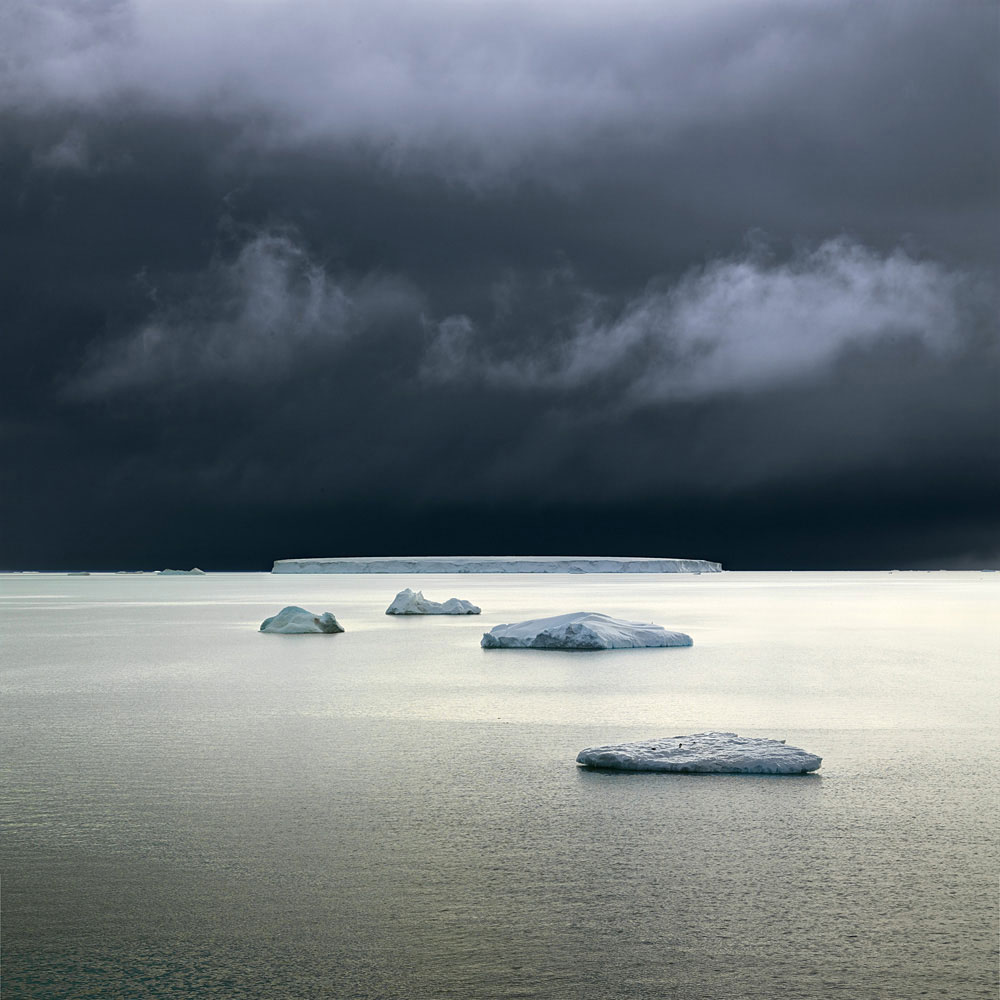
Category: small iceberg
[581,630]
[703,753]
[408,602]
[297,621]
[181,572]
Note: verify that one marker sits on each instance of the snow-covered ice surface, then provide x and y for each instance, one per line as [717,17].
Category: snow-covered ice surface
[703,753]
[295,621]
[408,602]
[496,564]
[181,572]
[581,630]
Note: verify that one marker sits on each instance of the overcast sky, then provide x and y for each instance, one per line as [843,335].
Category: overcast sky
[714,279]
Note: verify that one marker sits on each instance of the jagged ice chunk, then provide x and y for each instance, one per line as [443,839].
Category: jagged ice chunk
[294,621]
[408,602]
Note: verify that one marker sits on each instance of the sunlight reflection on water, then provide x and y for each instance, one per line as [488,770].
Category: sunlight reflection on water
[191,807]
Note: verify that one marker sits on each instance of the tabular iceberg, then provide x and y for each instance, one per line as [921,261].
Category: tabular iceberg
[703,753]
[406,602]
[581,630]
[495,564]
[295,621]
[181,572]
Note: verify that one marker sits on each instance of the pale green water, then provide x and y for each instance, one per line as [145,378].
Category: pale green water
[191,808]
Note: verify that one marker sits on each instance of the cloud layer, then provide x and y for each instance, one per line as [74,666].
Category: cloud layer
[743,324]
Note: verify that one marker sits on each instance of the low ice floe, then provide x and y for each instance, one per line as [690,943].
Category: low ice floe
[703,753]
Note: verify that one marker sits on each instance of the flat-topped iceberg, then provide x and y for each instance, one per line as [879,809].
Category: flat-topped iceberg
[296,621]
[703,753]
[408,602]
[581,630]
[181,572]
[495,564]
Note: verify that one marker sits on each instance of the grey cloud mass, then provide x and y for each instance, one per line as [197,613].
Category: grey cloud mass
[734,325]
[251,319]
[708,278]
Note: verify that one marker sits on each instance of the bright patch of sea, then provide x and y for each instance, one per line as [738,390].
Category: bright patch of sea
[191,808]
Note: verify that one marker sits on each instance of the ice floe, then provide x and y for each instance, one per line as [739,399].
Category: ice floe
[294,621]
[181,572]
[581,630]
[703,753]
[408,602]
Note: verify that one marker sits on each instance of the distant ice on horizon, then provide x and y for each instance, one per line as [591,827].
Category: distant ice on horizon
[181,572]
[408,602]
[581,630]
[703,753]
[495,564]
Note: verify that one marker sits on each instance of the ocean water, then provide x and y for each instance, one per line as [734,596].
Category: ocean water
[191,808]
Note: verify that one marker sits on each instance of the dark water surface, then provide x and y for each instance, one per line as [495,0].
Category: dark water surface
[191,808]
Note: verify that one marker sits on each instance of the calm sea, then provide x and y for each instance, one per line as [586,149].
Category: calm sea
[193,809]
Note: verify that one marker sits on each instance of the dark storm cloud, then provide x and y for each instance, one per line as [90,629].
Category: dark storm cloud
[707,278]
[476,88]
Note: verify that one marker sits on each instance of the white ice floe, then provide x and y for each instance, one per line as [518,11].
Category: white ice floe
[408,602]
[495,564]
[581,630]
[703,753]
[181,572]
[294,621]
